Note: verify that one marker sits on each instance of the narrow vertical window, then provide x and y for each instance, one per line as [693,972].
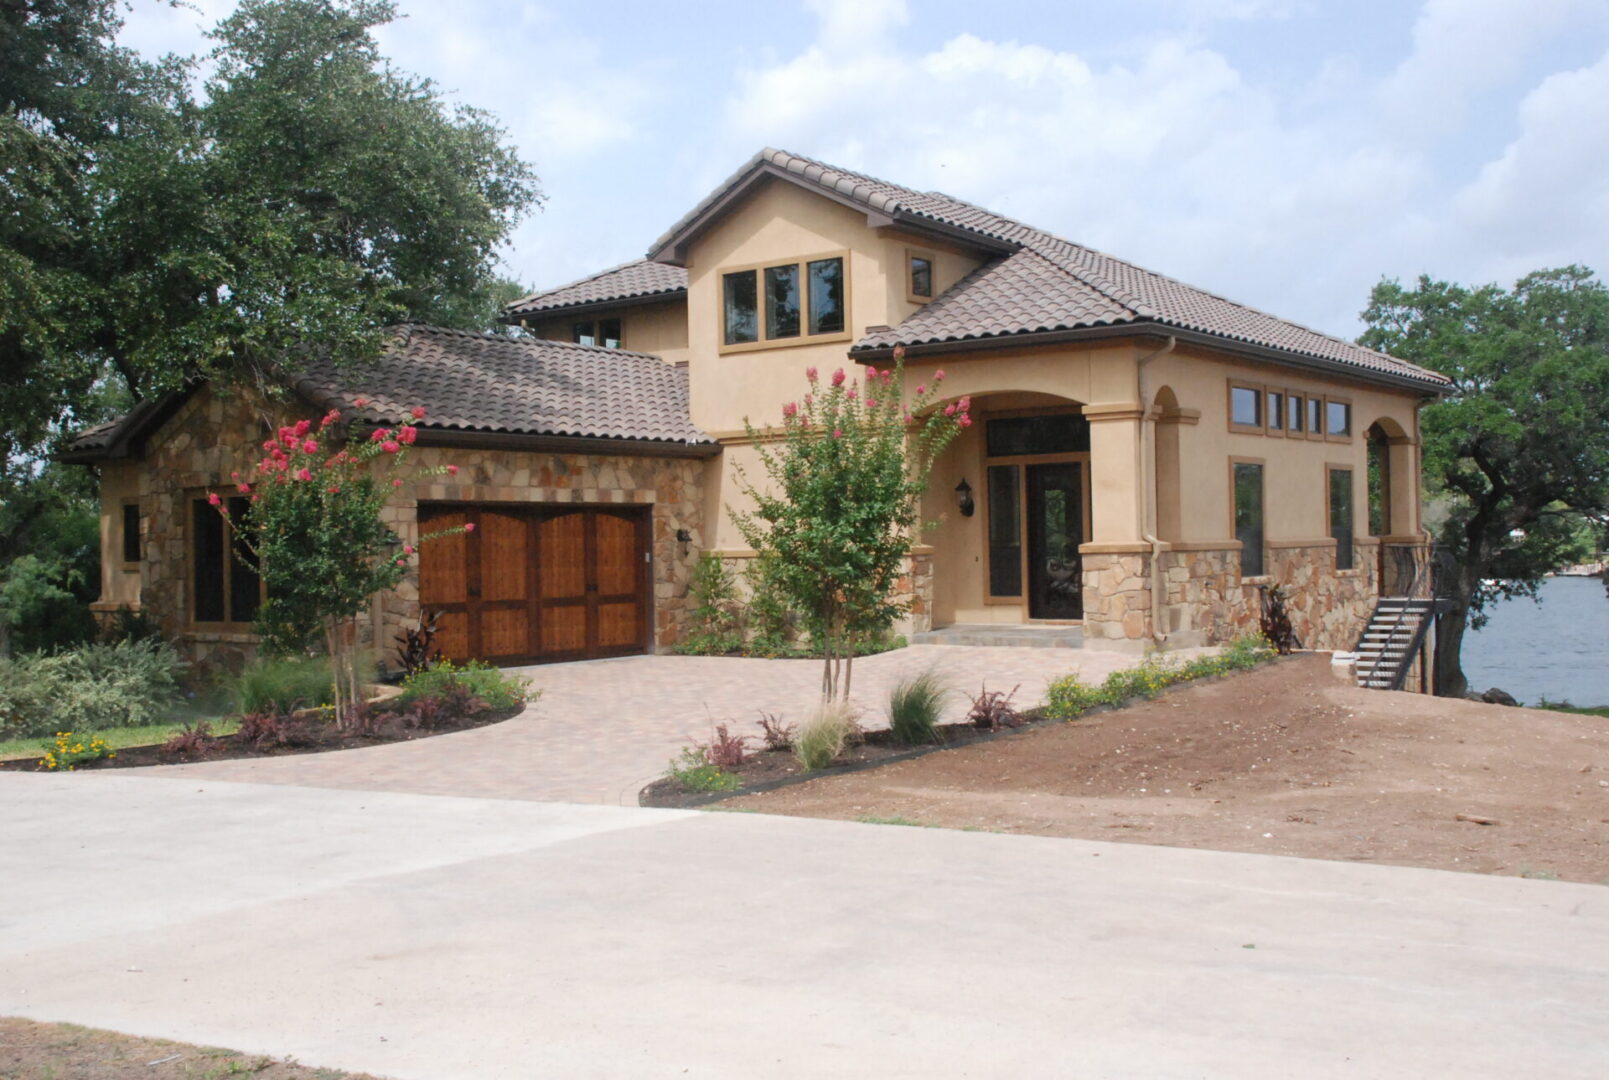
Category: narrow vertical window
[245,586]
[921,276]
[782,301]
[740,305]
[826,296]
[609,333]
[1276,411]
[1249,517]
[131,532]
[1315,416]
[1295,411]
[1005,532]
[208,549]
[1341,516]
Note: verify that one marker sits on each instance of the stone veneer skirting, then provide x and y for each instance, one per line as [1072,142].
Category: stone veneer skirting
[1206,600]
[213,434]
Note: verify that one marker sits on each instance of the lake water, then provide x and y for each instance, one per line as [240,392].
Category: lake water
[1558,648]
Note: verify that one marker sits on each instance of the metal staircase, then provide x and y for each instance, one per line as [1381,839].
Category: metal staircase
[1392,640]
[1395,635]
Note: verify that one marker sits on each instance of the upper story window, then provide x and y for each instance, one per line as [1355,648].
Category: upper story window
[1256,409]
[919,276]
[791,302]
[605,332]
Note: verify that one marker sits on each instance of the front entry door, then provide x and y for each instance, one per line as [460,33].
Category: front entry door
[1055,505]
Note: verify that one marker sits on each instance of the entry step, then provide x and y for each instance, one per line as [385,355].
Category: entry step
[1003,636]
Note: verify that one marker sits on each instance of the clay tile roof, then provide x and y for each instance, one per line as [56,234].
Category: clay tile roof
[636,282]
[491,383]
[1040,282]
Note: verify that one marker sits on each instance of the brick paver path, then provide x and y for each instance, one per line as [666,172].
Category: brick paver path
[603,729]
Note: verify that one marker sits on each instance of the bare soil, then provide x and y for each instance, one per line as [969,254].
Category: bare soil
[1283,760]
[34,1051]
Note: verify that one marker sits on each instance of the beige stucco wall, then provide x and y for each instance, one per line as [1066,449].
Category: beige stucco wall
[659,328]
[214,433]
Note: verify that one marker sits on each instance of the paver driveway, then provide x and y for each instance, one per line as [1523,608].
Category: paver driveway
[604,728]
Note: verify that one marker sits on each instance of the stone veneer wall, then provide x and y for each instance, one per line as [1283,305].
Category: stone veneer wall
[1206,601]
[213,434]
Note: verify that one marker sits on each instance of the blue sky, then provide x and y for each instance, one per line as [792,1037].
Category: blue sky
[1284,153]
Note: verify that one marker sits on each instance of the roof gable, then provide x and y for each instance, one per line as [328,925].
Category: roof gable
[1038,283]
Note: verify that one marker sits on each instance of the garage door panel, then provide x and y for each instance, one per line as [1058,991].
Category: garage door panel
[443,561]
[618,555]
[452,634]
[564,629]
[504,556]
[619,625]
[562,556]
[505,632]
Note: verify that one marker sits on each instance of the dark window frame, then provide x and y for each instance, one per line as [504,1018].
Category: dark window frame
[131,542]
[229,575]
[596,330]
[1253,557]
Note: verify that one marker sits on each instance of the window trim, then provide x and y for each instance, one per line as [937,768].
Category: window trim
[911,295]
[1299,396]
[1261,392]
[984,461]
[1316,434]
[1262,463]
[122,533]
[1330,469]
[804,336]
[1275,431]
[209,626]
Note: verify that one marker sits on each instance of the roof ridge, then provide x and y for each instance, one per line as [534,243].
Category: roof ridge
[493,337]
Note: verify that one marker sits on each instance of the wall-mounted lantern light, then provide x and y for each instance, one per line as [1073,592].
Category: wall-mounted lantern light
[963,498]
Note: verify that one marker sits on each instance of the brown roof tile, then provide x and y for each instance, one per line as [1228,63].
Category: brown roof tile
[1042,283]
[491,383]
[637,282]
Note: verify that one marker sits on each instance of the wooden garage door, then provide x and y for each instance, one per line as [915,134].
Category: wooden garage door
[537,584]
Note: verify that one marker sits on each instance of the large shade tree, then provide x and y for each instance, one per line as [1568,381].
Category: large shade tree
[157,227]
[1519,448]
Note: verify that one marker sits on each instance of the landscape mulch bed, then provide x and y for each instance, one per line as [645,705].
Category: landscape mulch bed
[317,740]
[767,770]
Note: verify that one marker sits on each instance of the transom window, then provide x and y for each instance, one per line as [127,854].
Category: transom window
[784,302]
[1256,409]
[605,332]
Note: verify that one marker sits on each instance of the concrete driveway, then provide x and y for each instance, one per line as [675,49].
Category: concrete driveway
[444,938]
[603,729]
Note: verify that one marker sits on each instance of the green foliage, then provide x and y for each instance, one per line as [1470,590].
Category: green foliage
[715,629]
[310,195]
[69,751]
[693,770]
[491,685]
[914,708]
[824,736]
[50,532]
[772,624]
[88,688]
[283,684]
[1519,449]
[1069,697]
[1580,710]
[841,508]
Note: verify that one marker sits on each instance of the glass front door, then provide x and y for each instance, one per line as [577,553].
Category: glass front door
[1055,512]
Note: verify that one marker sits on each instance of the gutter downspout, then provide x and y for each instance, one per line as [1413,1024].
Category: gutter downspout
[1148,507]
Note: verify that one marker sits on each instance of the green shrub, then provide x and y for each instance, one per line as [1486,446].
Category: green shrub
[714,626]
[773,626]
[914,708]
[283,685]
[1069,697]
[695,772]
[824,736]
[489,684]
[69,751]
[88,688]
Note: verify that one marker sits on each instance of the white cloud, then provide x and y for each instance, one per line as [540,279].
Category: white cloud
[1295,198]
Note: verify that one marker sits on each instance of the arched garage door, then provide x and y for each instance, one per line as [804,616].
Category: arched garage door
[537,584]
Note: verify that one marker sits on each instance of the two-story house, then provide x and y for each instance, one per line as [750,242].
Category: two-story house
[1146,454]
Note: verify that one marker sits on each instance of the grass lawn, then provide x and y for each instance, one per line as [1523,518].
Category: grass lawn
[1565,706]
[118,738]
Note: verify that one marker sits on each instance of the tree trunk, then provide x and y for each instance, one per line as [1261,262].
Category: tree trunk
[1450,627]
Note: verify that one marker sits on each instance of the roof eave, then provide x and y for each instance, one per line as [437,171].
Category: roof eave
[479,439]
[513,318]
[1151,328]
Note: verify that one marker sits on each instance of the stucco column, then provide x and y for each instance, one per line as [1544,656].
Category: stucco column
[1117,487]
